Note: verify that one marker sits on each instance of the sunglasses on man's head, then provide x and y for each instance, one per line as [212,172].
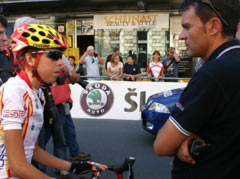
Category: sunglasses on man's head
[208,2]
[53,54]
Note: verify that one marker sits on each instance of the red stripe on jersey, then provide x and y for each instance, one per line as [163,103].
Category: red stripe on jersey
[1,100]
[26,120]
[8,171]
[23,75]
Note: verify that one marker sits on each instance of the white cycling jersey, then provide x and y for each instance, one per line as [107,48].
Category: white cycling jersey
[20,109]
[155,68]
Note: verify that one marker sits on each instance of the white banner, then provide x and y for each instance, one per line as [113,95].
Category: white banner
[115,99]
[124,21]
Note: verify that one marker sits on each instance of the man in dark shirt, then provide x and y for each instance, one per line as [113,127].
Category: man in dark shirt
[131,71]
[109,57]
[5,66]
[209,106]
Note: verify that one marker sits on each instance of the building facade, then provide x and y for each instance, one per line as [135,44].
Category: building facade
[141,30]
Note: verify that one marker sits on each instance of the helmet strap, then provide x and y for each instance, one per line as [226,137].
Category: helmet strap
[34,68]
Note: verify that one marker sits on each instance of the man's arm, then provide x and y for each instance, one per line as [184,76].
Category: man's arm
[101,61]
[137,75]
[168,139]
[177,58]
[81,60]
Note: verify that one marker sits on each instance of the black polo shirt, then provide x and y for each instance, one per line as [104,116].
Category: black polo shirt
[210,107]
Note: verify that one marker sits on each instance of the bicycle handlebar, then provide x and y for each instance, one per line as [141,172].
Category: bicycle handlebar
[119,169]
[126,166]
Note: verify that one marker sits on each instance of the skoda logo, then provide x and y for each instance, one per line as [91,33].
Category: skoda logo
[97,99]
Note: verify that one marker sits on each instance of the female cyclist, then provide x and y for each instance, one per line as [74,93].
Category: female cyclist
[38,50]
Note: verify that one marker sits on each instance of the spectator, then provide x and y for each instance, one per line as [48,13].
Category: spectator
[109,57]
[92,60]
[25,20]
[131,71]
[5,66]
[171,65]
[115,68]
[155,68]
[238,31]
[131,53]
[208,108]
[71,60]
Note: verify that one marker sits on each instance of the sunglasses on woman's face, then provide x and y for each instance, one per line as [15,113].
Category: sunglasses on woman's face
[53,54]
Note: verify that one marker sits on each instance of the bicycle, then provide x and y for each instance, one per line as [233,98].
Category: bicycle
[117,169]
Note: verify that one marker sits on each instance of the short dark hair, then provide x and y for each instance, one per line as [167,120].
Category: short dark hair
[228,9]
[171,48]
[131,57]
[115,49]
[72,57]
[3,21]
[156,52]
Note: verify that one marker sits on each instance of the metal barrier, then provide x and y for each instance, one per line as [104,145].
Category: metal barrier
[143,78]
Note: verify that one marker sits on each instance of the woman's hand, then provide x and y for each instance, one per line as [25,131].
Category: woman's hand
[100,167]
[114,77]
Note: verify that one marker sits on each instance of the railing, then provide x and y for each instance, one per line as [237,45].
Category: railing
[142,78]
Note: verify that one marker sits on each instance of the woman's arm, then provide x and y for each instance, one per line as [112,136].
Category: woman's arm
[19,166]
[108,72]
[121,73]
[45,158]
[162,72]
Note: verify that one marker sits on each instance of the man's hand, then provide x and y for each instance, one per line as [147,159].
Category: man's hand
[74,78]
[65,70]
[183,153]
[176,56]
[169,69]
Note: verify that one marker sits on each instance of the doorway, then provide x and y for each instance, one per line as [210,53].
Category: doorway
[83,41]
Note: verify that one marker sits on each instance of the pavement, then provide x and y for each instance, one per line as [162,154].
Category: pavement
[110,141]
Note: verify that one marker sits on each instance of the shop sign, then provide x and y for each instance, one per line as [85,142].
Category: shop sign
[121,21]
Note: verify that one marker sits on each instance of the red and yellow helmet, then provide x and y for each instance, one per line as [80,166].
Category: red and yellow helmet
[37,36]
